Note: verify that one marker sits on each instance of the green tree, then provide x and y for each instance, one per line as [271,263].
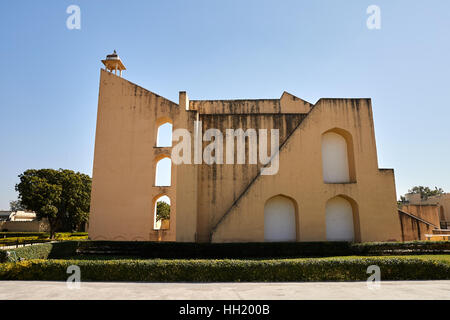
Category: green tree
[426,192]
[401,202]
[162,211]
[62,196]
[16,206]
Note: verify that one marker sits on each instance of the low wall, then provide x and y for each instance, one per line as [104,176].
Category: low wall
[25,226]
[429,213]
[414,228]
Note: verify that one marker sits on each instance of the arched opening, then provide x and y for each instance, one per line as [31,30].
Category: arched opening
[279,220]
[164,135]
[441,213]
[342,223]
[444,224]
[161,213]
[163,174]
[337,157]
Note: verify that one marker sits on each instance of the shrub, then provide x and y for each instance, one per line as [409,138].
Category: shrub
[40,251]
[183,250]
[173,250]
[39,238]
[258,250]
[389,248]
[21,234]
[42,235]
[324,269]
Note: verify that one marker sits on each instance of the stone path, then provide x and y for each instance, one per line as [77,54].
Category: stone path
[241,291]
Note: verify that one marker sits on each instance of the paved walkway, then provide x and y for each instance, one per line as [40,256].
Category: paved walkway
[235,291]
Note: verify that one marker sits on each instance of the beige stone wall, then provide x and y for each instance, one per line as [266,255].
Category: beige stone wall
[287,104]
[25,226]
[225,203]
[300,178]
[413,229]
[222,184]
[443,201]
[429,213]
[123,188]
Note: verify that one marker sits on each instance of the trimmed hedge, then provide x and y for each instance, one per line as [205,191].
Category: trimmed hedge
[180,250]
[184,250]
[41,234]
[40,251]
[40,238]
[22,234]
[174,250]
[389,248]
[324,269]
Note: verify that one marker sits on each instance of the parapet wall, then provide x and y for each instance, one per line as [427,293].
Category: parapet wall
[25,226]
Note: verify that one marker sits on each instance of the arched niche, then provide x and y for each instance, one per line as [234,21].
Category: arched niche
[338,164]
[342,219]
[280,222]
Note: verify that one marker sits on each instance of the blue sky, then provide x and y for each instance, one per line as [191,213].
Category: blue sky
[225,50]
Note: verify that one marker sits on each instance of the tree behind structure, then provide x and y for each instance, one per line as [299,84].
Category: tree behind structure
[426,192]
[162,211]
[62,196]
[16,206]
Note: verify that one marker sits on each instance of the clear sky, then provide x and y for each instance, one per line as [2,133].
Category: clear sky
[225,50]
